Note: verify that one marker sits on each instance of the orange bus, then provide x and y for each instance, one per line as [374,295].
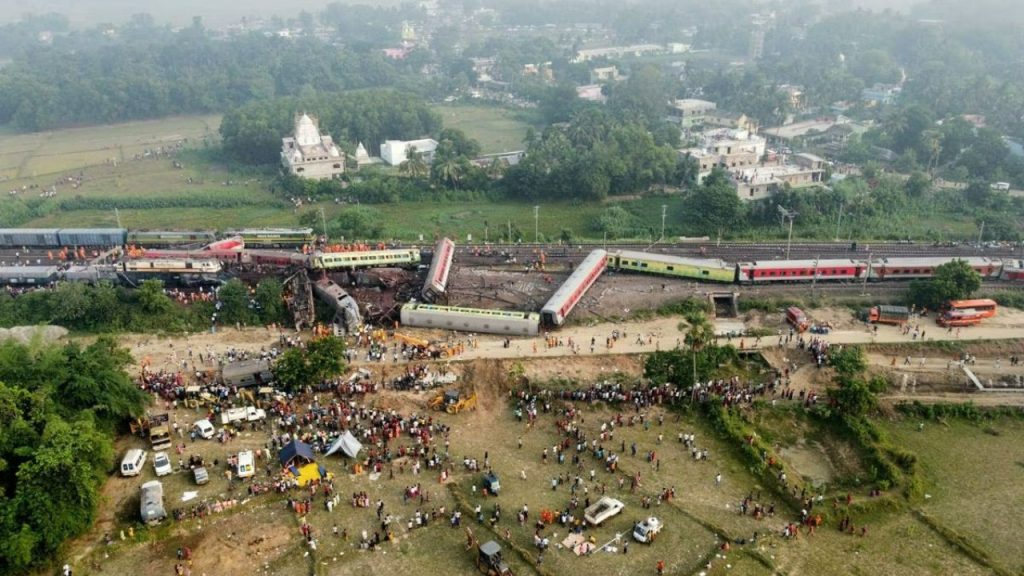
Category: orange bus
[985,308]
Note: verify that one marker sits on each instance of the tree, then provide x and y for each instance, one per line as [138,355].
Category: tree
[643,97]
[954,280]
[233,302]
[322,359]
[852,396]
[849,360]
[918,184]
[414,166]
[270,301]
[152,299]
[357,222]
[714,206]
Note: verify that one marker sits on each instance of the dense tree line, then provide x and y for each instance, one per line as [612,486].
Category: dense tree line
[178,73]
[59,408]
[594,156]
[106,307]
[252,133]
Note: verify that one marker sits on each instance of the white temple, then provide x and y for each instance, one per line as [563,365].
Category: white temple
[310,154]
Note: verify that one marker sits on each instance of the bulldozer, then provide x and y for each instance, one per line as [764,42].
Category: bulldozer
[452,402]
[468,403]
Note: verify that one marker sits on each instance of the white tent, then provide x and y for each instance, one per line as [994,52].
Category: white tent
[347,443]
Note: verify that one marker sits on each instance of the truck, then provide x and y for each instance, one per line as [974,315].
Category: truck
[602,510]
[645,531]
[246,414]
[160,437]
[897,315]
[151,502]
[797,318]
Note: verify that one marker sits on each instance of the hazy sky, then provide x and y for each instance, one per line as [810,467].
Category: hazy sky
[176,12]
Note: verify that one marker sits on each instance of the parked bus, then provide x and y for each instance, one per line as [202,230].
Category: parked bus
[985,308]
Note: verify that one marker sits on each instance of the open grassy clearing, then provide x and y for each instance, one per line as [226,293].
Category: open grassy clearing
[43,153]
[974,474]
[496,129]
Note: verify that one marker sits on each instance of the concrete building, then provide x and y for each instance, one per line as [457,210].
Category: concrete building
[604,74]
[732,120]
[591,92]
[689,112]
[310,154]
[787,133]
[618,52]
[757,183]
[880,94]
[730,149]
[394,152]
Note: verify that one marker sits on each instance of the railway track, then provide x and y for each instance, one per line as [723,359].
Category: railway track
[747,251]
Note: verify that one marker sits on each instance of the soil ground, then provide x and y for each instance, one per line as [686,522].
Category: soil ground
[260,535]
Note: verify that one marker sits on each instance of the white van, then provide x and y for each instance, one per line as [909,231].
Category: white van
[204,429]
[133,462]
[246,464]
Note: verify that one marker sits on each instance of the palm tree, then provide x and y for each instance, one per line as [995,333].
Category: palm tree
[414,166]
[497,168]
[448,171]
[700,334]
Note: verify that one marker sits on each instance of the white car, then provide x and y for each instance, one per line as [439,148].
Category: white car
[162,464]
[204,429]
[602,510]
[645,531]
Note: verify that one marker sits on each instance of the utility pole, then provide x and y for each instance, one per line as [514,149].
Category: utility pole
[864,289]
[323,222]
[814,278]
[980,234]
[117,216]
[840,221]
[664,208]
[510,231]
[791,215]
[536,225]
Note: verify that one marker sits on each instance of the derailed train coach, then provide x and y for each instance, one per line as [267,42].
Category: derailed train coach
[503,322]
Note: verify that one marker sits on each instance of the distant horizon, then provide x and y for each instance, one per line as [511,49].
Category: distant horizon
[87,13]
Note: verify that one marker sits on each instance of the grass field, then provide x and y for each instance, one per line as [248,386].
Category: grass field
[496,129]
[974,474]
[42,153]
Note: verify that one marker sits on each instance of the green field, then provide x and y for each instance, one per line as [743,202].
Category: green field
[974,474]
[496,129]
[27,156]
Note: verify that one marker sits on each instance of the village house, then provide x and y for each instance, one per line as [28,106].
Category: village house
[310,154]
[689,112]
[394,152]
[729,149]
[759,182]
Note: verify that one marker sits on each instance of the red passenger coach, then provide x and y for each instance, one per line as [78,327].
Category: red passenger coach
[800,270]
[440,267]
[1013,270]
[910,268]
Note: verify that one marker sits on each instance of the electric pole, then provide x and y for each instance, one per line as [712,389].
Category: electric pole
[664,208]
[814,278]
[323,222]
[536,224]
[867,273]
[791,215]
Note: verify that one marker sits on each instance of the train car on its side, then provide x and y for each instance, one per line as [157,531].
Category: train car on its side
[569,293]
[28,275]
[1013,270]
[159,238]
[774,271]
[708,270]
[503,322]
[276,258]
[276,237]
[437,276]
[183,272]
[910,268]
[21,238]
[406,257]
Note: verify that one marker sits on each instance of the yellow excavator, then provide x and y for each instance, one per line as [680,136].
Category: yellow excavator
[452,402]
